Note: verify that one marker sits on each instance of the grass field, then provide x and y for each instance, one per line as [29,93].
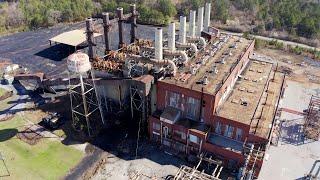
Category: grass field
[48,159]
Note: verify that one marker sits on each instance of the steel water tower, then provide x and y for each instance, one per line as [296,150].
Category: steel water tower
[85,104]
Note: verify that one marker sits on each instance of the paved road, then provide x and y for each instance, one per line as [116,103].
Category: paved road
[270,39]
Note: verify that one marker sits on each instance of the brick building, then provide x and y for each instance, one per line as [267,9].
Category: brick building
[221,103]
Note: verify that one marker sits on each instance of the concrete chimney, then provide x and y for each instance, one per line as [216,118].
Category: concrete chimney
[158,44]
[106,28]
[90,39]
[172,36]
[192,23]
[182,30]
[120,24]
[207,16]
[200,21]
[133,22]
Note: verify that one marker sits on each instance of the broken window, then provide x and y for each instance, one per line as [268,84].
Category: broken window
[192,108]
[180,134]
[194,139]
[156,126]
[228,132]
[239,134]
[218,128]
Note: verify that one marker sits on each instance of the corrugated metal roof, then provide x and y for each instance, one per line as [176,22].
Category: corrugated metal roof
[72,38]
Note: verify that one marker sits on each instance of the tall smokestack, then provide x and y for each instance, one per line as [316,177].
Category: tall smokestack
[120,24]
[207,16]
[133,23]
[192,23]
[158,44]
[90,39]
[200,21]
[182,30]
[106,28]
[172,36]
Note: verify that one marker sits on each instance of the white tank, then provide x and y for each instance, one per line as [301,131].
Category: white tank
[78,62]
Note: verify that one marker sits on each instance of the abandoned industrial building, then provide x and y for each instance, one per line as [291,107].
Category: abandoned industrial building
[195,92]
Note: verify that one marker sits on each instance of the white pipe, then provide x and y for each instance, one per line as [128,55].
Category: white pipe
[192,23]
[199,39]
[182,30]
[207,16]
[158,44]
[183,54]
[187,45]
[200,21]
[172,37]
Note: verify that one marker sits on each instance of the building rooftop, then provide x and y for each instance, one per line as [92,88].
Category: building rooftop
[254,97]
[218,60]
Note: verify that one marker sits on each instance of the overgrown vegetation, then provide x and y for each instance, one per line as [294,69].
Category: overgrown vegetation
[299,18]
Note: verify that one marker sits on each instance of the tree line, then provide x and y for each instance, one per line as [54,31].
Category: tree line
[301,18]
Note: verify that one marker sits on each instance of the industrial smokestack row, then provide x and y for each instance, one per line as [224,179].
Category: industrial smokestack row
[200,21]
[207,16]
[182,30]
[172,37]
[158,44]
[192,23]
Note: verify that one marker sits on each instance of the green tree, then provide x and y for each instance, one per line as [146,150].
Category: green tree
[167,8]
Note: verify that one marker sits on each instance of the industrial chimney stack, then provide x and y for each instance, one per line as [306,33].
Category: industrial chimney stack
[207,16]
[182,30]
[200,21]
[158,44]
[120,24]
[192,23]
[172,37]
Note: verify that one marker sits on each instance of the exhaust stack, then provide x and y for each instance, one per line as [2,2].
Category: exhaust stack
[90,39]
[172,37]
[120,24]
[200,21]
[207,16]
[158,44]
[182,30]
[133,22]
[106,28]
[192,23]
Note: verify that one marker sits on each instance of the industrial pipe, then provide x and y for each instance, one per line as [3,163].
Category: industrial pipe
[207,16]
[120,24]
[106,28]
[200,21]
[133,22]
[198,39]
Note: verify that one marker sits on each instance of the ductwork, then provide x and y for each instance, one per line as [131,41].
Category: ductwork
[200,21]
[201,40]
[192,23]
[207,16]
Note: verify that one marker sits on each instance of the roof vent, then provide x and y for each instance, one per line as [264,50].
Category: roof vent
[205,80]
[243,102]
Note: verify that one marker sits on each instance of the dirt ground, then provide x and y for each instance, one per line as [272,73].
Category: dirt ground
[304,69]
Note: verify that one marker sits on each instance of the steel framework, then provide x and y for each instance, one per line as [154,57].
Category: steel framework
[85,104]
[312,123]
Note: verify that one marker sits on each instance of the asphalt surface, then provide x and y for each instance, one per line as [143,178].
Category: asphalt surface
[33,51]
